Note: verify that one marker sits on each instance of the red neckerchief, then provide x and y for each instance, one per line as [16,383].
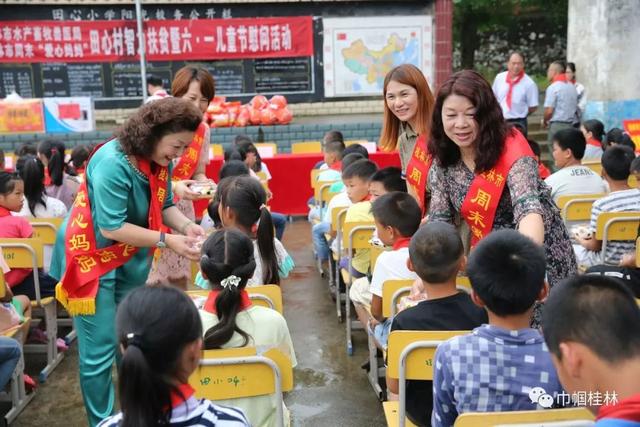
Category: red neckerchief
[560,78]
[594,142]
[47,177]
[210,304]
[80,170]
[627,409]
[511,84]
[336,166]
[543,171]
[366,199]
[184,393]
[402,242]
[4,212]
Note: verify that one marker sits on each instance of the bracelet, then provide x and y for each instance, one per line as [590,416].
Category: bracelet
[185,226]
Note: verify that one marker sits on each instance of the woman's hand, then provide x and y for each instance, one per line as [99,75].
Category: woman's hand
[183,245]
[194,230]
[182,190]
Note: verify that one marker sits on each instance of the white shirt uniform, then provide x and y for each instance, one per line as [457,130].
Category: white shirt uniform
[524,96]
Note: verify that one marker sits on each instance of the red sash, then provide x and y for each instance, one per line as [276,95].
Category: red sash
[188,163]
[85,262]
[560,78]
[511,84]
[418,170]
[480,205]
[210,304]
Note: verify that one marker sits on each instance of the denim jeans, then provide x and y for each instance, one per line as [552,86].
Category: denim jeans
[9,356]
[319,241]
[280,223]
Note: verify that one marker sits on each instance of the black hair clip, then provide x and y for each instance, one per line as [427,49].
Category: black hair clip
[134,339]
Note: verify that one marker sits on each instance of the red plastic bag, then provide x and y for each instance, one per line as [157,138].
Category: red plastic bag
[279,101]
[267,116]
[283,116]
[243,116]
[259,102]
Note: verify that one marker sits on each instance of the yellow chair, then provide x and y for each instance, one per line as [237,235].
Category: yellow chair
[374,254]
[410,356]
[616,226]
[217,150]
[579,417]
[17,393]
[269,149]
[594,165]
[638,252]
[240,372]
[269,296]
[355,141]
[355,235]
[463,284]
[27,253]
[314,177]
[307,147]
[577,207]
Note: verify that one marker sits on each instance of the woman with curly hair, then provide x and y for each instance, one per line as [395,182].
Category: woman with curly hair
[104,248]
[196,85]
[485,174]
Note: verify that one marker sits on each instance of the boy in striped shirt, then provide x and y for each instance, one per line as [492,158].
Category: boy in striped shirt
[616,164]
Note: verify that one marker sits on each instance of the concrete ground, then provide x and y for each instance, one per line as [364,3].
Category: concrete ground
[330,387]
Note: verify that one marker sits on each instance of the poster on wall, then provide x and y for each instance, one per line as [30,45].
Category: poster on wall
[69,114]
[632,127]
[24,116]
[359,52]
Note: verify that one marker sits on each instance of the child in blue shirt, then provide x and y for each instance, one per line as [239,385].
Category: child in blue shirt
[496,366]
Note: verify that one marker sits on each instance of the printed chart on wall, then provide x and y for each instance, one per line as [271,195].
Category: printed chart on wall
[359,52]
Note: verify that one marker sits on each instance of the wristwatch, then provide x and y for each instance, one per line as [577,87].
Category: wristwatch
[161,243]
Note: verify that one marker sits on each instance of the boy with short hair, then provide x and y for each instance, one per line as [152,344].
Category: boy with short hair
[616,163]
[436,254]
[495,367]
[385,181]
[356,178]
[572,177]
[330,171]
[397,217]
[590,325]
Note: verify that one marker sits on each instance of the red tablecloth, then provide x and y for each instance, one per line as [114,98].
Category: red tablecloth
[290,183]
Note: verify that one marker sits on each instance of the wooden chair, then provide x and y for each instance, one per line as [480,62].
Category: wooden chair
[577,207]
[307,147]
[269,296]
[410,356]
[267,149]
[240,372]
[356,235]
[574,417]
[17,393]
[27,253]
[616,226]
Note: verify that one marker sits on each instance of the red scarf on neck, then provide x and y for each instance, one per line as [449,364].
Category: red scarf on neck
[594,142]
[336,166]
[627,409]
[184,393]
[210,304]
[511,84]
[560,78]
[402,242]
[4,212]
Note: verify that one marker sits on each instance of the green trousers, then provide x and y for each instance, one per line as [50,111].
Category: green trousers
[97,348]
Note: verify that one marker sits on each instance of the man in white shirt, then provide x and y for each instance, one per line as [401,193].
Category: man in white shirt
[155,89]
[516,92]
[572,178]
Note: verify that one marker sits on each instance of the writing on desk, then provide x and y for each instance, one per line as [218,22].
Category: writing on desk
[235,380]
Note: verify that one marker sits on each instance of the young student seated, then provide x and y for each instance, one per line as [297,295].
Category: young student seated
[436,254]
[385,181]
[593,131]
[572,178]
[616,163]
[332,135]
[229,168]
[159,353]
[356,149]
[356,178]
[495,367]
[230,320]
[333,160]
[542,169]
[590,327]
[397,217]
[12,200]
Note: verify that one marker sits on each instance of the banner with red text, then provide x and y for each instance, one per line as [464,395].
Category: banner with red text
[166,40]
[21,116]
[633,129]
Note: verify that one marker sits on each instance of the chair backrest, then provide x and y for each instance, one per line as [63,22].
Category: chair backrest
[616,226]
[374,254]
[314,176]
[240,372]
[269,296]
[420,349]
[322,191]
[463,284]
[22,253]
[594,165]
[550,417]
[392,291]
[577,207]
[3,283]
[359,233]
[46,229]
[638,252]
[337,217]
[267,149]
[306,147]
[633,181]
[216,150]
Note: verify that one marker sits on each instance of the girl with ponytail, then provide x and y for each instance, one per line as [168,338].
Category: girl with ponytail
[60,180]
[38,205]
[159,353]
[230,320]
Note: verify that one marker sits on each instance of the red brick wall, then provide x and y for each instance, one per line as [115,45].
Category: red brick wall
[443,40]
